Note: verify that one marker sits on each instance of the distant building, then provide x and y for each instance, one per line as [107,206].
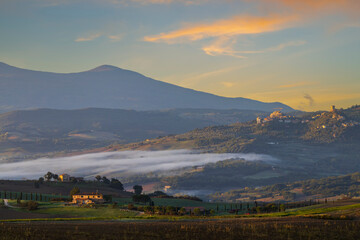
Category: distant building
[64,177]
[332,108]
[258,120]
[276,114]
[88,198]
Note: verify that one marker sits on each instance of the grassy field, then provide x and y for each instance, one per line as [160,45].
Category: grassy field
[337,210]
[224,207]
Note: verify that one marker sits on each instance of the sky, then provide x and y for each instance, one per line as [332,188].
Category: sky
[304,53]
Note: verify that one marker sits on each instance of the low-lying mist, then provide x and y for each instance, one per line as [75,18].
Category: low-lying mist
[116,164]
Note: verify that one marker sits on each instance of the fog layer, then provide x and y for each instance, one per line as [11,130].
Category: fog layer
[114,164]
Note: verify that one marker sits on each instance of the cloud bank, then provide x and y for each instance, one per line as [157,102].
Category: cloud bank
[117,164]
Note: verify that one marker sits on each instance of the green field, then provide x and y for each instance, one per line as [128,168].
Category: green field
[337,210]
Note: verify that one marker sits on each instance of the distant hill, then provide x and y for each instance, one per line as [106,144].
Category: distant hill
[337,186]
[48,130]
[107,87]
[343,126]
[309,146]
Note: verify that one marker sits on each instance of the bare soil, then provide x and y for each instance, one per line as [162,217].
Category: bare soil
[7,213]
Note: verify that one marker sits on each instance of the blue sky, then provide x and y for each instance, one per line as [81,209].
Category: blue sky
[303,53]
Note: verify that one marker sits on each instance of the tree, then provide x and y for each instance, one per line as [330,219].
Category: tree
[74,191]
[49,176]
[73,179]
[182,211]
[116,184]
[56,177]
[105,180]
[98,178]
[282,208]
[197,212]
[170,210]
[41,180]
[138,189]
[108,198]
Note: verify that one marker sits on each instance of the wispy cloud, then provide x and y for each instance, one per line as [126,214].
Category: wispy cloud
[280,14]
[115,38]
[193,79]
[226,32]
[225,46]
[88,38]
[91,37]
[238,25]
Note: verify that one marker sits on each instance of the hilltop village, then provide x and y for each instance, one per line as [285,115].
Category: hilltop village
[333,114]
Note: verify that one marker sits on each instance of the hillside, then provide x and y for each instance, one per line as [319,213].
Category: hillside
[47,130]
[341,126]
[330,187]
[311,146]
[107,87]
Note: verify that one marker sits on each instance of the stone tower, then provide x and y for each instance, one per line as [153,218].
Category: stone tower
[332,108]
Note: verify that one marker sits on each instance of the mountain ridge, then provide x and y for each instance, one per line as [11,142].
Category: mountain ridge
[108,86]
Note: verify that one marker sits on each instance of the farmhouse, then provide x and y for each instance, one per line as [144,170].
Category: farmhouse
[64,177]
[87,198]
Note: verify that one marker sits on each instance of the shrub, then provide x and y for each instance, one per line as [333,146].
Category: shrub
[114,205]
[141,198]
[197,212]
[131,207]
[30,205]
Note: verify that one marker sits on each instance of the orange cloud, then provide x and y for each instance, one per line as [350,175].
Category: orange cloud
[230,27]
[224,46]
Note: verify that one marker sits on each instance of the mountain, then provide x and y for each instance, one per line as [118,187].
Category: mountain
[107,87]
